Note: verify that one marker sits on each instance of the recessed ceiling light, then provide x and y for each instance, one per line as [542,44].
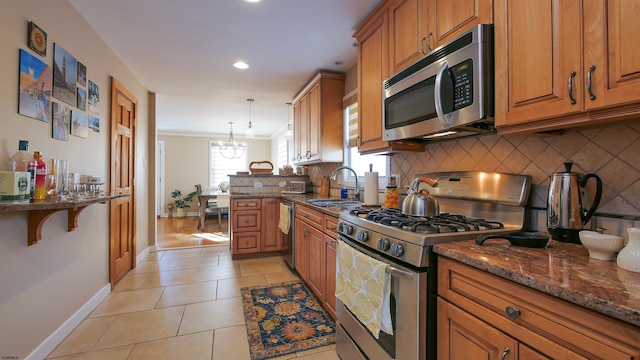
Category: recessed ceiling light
[252,1]
[240,65]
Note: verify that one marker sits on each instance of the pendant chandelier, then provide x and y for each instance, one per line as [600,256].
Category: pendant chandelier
[231,149]
[250,134]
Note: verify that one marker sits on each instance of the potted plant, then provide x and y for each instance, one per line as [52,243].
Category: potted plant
[182,204]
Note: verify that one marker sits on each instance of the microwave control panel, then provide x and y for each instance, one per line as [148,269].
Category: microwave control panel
[462,75]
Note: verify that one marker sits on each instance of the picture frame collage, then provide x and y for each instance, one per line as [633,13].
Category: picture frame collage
[77,106]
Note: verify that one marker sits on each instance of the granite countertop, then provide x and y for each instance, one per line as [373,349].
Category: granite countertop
[300,199]
[562,270]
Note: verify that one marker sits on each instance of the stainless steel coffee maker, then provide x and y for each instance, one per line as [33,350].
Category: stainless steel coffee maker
[566,214]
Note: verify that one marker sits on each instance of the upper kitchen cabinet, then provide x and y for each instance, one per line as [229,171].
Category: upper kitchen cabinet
[418,26]
[317,113]
[565,63]
[373,69]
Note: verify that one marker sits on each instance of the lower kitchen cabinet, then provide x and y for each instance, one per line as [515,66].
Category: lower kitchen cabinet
[254,226]
[315,253]
[330,270]
[483,316]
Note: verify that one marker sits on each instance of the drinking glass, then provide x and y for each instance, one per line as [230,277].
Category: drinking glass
[71,192]
[50,185]
[62,176]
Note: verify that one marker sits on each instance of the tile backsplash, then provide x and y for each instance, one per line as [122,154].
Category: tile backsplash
[612,152]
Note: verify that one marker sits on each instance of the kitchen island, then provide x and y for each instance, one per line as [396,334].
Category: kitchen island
[553,302]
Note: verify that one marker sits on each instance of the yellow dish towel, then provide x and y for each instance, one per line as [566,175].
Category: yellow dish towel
[364,287]
[285,218]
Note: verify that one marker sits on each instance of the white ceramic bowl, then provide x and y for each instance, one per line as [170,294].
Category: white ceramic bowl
[601,246]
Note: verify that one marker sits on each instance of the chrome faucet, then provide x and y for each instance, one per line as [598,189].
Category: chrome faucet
[356,192]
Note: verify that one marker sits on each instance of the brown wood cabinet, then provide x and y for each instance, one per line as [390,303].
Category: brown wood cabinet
[315,253]
[317,113]
[481,315]
[584,64]
[254,226]
[397,34]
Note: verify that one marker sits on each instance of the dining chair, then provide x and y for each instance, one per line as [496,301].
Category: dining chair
[207,209]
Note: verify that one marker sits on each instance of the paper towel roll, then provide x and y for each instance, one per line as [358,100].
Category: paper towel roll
[371,188]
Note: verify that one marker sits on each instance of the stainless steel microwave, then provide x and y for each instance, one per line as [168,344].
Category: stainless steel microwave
[448,93]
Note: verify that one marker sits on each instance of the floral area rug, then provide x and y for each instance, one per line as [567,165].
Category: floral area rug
[284,318]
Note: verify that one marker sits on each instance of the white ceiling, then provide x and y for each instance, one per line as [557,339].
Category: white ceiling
[183,50]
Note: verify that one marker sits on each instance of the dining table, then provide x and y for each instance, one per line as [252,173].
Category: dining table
[222,201]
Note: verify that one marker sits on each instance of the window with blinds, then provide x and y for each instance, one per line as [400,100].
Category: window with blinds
[220,167]
[283,152]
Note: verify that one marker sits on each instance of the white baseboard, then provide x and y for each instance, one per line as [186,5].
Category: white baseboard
[143,254]
[47,346]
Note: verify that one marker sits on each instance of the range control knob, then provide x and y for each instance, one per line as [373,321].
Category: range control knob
[397,250]
[341,227]
[363,236]
[348,229]
[383,244]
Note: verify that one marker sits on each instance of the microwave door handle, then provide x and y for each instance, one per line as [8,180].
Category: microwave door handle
[438,96]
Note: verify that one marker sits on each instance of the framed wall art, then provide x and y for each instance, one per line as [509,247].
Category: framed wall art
[82,74]
[94,97]
[61,122]
[65,71]
[82,99]
[35,87]
[94,124]
[37,39]
[79,124]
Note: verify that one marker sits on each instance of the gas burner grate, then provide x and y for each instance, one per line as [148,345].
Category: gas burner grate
[441,223]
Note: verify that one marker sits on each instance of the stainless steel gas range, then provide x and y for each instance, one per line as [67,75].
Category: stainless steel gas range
[471,203]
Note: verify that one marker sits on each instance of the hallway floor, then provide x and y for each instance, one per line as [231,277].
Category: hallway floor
[178,304]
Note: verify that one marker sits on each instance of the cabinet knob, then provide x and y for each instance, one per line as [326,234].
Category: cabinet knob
[513,313]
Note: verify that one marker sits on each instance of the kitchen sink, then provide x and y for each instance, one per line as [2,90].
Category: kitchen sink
[341,203]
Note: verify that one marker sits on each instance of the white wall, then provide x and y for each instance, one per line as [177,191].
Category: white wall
[43,285]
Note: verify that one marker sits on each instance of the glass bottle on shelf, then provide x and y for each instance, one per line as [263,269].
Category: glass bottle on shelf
[40,190]
[20,160]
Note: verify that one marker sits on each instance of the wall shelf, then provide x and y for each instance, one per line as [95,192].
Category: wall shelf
[40,210]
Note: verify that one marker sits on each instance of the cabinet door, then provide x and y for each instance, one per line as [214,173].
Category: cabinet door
[462,336]
[301,119]
[407,32]
[301,248]
[611,54]
[297,133]
[271,233]
[450,19]
[538,54]
[316,262]
[314,128]
[330,277]
[373,68]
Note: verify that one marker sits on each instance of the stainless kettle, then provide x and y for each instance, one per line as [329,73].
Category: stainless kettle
[566,214]
[419,202]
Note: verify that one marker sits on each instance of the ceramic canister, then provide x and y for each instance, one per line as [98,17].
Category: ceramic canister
[629,256]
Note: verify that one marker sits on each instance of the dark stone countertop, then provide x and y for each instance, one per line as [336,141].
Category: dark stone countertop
[562,270]
[300,199]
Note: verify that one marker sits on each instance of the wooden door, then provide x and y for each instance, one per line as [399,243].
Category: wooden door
[373,69]
[122,218]
[301,248]
[611,53]
[315,124]
[271,234]
[450,19]
[330,277]
[316,259]
[407,32]
[538,54]
[463,336]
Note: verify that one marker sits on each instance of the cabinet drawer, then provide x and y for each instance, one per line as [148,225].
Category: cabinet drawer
[330,226]
[246,220]
[247,204]
[312,217]
[246,242]
[536,317]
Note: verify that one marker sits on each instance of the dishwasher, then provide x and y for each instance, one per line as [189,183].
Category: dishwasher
[288,243]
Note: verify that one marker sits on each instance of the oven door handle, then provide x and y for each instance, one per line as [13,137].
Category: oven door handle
[397,272]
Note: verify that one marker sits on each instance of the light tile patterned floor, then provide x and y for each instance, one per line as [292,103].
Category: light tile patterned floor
[178,304]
